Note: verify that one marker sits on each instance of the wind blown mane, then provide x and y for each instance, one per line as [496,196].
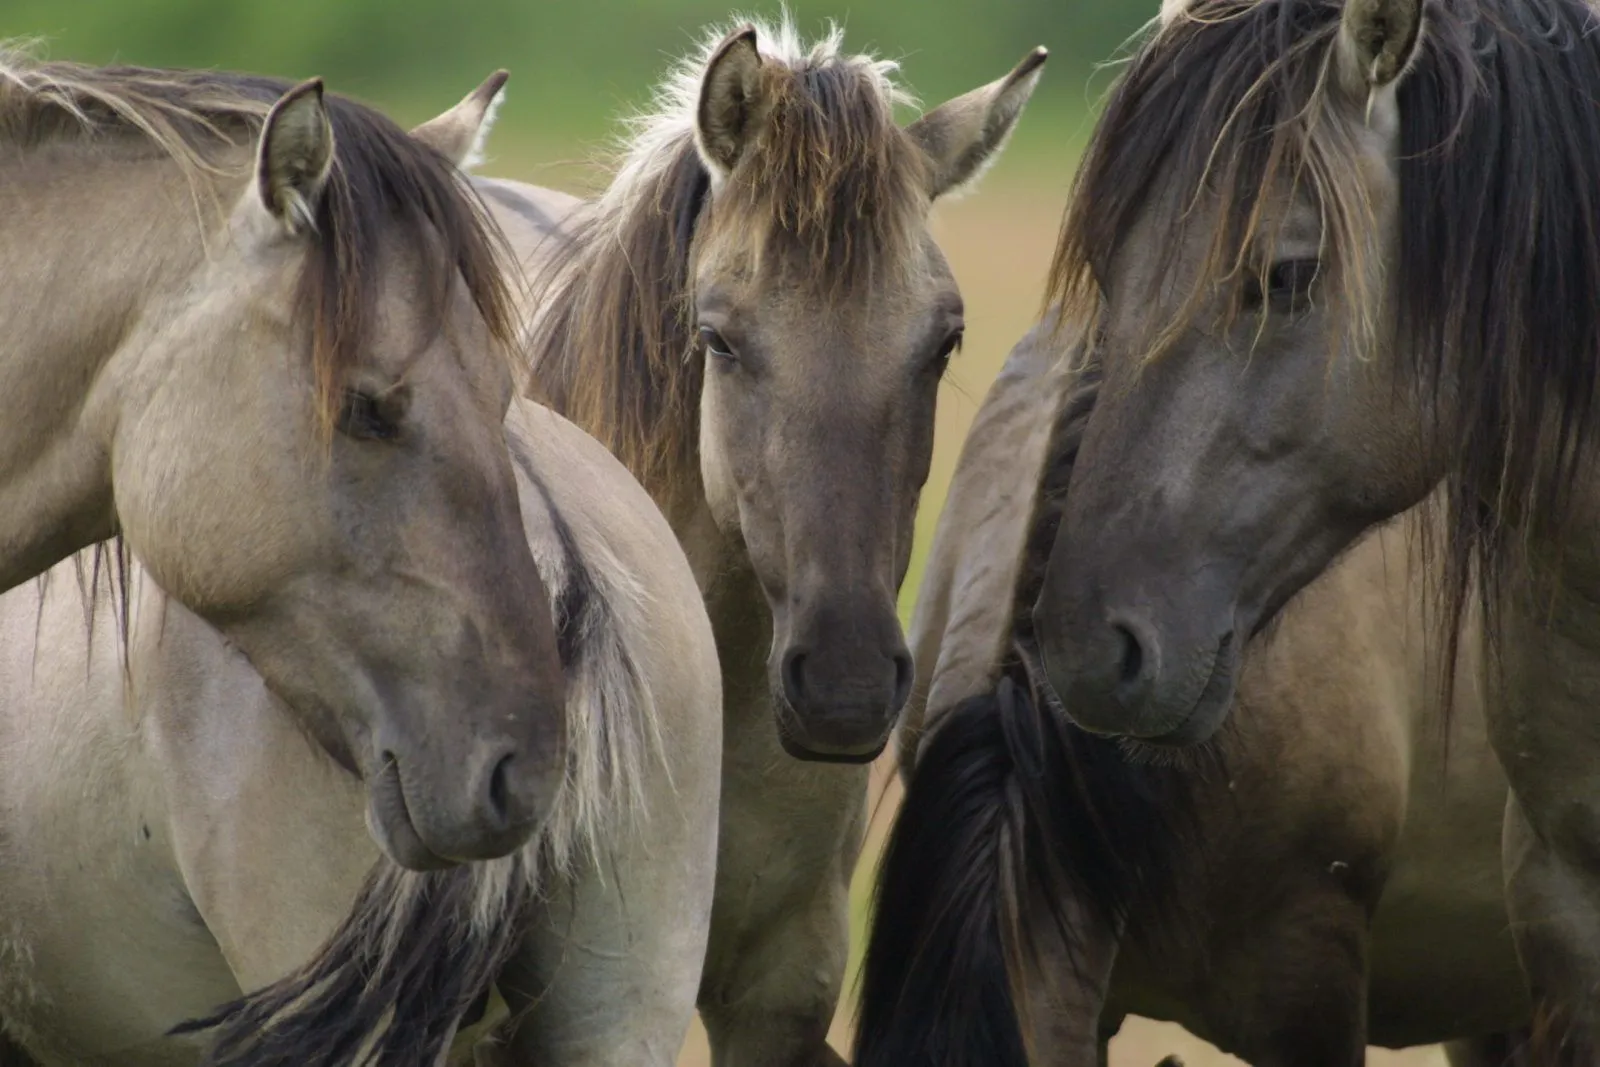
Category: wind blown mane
[829,194]
[384,182]
[1496,284]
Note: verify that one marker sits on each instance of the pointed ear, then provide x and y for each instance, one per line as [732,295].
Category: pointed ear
[459,134]
[963,136]
[732,103]
[1377,41]
[295,156]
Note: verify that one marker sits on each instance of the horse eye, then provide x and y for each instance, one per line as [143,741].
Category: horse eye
[362,418]
[714,345]
[1289,283]
[950,347]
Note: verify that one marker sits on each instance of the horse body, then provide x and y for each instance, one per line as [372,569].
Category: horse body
[1333,879]
[175,836]
[755,319]
[262,335]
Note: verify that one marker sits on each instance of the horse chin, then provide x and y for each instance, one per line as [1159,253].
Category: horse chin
[389,823]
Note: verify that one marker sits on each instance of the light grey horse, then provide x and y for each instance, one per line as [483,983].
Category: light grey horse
[174,835]
[264,335]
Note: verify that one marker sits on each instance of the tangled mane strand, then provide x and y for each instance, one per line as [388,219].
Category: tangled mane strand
[826,198]
[383,182]
[1498,224]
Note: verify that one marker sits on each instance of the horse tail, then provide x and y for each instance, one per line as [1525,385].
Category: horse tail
[1000,819]
[410,965]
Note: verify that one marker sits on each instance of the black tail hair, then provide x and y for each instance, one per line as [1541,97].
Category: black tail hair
[1009,809]
[390,988]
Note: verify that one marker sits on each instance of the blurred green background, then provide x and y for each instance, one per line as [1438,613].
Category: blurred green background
[577,64]
[573,62]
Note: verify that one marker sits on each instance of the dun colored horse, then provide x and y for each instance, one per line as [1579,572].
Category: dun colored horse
[1320,878]
[755,318]
[1341,253]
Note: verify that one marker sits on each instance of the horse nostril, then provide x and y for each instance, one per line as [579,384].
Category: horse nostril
[904,673]
[794,690]
[500,801]
[1132,657]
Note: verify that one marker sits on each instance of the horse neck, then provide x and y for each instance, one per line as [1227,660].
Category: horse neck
[89,239]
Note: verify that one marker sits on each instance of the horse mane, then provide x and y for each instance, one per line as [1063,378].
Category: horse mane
[828,195]
[1120,827]
[383,182]
[1498,265]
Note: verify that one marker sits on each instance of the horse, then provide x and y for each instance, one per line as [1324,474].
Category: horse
[175,834]
[1323,878]
[263,335]
[1342,255]
[754,317]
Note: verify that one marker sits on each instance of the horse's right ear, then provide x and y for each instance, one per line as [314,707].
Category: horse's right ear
[732,103]
[295,156]
[1378,40]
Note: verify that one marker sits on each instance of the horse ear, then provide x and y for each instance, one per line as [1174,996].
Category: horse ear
[963,136]
[1377,41]
[732,102]
[295,156]
[460,133]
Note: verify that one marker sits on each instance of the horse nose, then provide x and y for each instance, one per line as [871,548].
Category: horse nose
[904,674]
[1138,653]
[793,672]
[510,793]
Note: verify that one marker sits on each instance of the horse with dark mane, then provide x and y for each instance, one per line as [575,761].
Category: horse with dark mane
[1316,879]
[1342,255]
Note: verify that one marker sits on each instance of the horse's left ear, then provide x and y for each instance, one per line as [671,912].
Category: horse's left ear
[459,134]
[1378,39]
[963,136]
[733,102]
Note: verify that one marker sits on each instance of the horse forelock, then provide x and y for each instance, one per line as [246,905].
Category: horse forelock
[830,194]
[385,184]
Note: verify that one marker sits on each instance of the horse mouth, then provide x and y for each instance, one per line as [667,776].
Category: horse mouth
[791,737]
[1211,705]
[390,824]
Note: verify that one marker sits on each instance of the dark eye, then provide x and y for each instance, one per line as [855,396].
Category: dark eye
[362,417]
[1289,284]
[714,345]
[949,347]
